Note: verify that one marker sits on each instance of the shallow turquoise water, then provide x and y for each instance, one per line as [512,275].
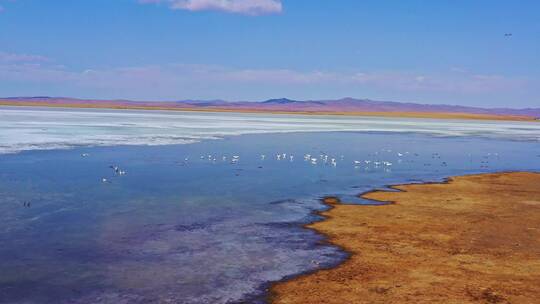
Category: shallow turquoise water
[201,231]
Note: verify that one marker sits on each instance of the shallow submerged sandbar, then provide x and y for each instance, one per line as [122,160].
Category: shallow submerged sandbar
[472,239]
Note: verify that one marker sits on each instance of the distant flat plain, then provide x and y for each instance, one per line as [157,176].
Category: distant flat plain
[160,106]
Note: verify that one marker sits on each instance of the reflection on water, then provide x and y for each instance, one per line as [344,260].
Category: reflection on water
[184,225]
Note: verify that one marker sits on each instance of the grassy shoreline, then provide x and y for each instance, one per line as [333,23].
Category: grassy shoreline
[471,239]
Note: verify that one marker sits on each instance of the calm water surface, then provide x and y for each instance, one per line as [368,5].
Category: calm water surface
[201,230]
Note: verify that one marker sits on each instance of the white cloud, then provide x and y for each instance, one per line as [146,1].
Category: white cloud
[168,81]
[35,68]
[11,57]
[246,7]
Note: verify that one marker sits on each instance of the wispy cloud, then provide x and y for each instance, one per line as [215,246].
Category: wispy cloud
[21,58]
[246,7]
[214,81]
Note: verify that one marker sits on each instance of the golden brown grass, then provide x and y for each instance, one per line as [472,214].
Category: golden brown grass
[475,239]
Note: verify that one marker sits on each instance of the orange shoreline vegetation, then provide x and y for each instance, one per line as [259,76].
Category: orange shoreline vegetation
[432,115]
[472,239]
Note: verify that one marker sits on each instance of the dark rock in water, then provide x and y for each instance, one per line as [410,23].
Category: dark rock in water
[283,224]
[285,201]
[190,227]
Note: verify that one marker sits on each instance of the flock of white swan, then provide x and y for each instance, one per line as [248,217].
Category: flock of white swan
[378,160]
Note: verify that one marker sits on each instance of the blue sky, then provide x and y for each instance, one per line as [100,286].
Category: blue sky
[422,51]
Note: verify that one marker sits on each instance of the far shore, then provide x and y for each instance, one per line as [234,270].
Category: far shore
[427,115]
[471,239]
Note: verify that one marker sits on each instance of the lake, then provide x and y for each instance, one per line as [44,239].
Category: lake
[105,206]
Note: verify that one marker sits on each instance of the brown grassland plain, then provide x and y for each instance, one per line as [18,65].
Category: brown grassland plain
[472,239]
[429,115]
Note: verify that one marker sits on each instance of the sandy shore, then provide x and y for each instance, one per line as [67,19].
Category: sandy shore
[429,115]
[474,239]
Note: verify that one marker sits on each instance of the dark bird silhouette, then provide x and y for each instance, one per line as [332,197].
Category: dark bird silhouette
[508,35]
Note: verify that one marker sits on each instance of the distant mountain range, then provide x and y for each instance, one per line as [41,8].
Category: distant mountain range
[339,106]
